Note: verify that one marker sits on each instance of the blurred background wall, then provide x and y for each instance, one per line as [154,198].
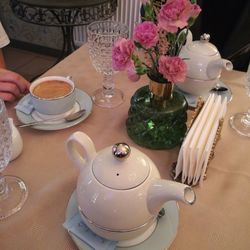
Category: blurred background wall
[227,22]
[24,34]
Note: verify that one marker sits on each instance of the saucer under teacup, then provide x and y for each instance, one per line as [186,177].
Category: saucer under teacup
[83,101]
[57,118]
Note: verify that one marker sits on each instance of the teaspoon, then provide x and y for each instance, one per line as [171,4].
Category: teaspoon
[69,118]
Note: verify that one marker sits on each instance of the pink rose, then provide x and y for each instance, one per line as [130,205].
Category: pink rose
[174,14]
[132,75]
[146,34]
[173,68]
[121,53]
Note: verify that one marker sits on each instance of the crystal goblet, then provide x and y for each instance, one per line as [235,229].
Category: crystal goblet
[13,191]
[101,37]
[240,122]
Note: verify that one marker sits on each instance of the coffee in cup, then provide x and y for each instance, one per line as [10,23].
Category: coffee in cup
[52,89]
[53,95]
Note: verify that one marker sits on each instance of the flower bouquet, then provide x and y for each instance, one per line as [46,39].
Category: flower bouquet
[157,116]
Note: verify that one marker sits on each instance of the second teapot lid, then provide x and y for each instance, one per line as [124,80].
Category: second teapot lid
[203,47]
[120,167]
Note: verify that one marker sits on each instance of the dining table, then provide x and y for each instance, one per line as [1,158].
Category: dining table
[219,219]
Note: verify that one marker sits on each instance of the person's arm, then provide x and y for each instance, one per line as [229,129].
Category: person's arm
[12,85]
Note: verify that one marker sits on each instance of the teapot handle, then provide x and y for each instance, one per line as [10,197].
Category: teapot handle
[86,144]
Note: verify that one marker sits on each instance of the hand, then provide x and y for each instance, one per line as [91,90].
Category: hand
[12,85]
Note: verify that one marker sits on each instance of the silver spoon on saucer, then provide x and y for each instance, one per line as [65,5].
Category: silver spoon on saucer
[69,118]
[219,88]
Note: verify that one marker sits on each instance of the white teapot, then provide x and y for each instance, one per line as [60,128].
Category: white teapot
[204,65]
[120,191]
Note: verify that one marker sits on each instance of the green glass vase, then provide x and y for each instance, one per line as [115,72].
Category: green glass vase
[157,116]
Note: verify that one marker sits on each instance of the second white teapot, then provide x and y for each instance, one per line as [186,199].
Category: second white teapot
[204,65]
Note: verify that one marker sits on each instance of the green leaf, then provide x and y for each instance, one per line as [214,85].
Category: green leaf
[149,12]
[193,1]
[181,38]
[138,64]
[141,70]
[191,21]
[134,57]
[138,45]
[171,37]
[137,61]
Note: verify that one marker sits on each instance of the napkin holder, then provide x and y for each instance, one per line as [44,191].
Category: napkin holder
[200,104]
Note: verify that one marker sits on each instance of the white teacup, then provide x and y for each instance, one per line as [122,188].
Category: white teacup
[53,96]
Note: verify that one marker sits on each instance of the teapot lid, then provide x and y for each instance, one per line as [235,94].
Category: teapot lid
[120,167]
[203,47]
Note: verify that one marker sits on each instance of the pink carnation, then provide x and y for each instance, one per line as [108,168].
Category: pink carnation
[121,54]
[173,68]
[132,75]
[174,14]
[195,10]
[146,34]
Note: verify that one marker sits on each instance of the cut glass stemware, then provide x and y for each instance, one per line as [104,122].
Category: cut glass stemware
[101,37]
[240,122]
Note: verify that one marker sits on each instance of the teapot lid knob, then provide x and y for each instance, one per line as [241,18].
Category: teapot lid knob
[205,37]
[121,150]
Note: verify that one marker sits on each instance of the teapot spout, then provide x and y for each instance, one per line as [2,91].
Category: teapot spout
[162,191]
[215,67]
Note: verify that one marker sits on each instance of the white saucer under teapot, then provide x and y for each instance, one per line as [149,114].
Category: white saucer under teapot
[120,191]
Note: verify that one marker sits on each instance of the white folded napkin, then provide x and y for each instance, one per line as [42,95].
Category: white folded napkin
[195,151]
[25,106]
[76,226]
[202,139]
[221,114]
[179,166]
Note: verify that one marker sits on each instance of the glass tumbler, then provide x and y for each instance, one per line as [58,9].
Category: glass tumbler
[13,191]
